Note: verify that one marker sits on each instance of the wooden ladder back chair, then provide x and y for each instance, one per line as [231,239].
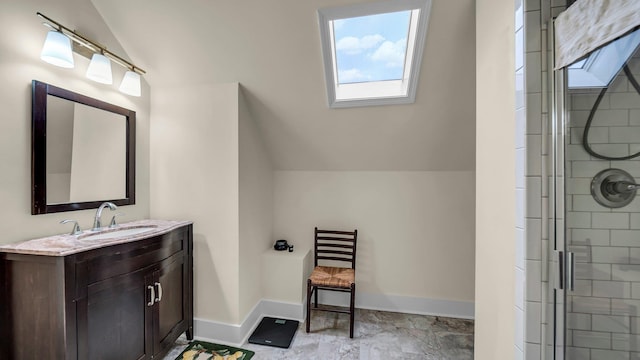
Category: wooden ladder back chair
[334,246]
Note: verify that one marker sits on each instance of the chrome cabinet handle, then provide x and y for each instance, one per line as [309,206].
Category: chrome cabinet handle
[153,295]
[159,298]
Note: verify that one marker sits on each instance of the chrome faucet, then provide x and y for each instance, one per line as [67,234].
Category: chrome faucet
[97,222]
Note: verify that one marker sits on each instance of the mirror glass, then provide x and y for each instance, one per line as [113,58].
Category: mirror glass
[83,151]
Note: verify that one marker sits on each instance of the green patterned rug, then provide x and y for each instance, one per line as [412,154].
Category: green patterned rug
[200,350]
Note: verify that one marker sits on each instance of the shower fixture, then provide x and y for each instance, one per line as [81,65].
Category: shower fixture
[613,188]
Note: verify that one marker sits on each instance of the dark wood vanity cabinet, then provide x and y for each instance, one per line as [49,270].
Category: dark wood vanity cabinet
[126,301]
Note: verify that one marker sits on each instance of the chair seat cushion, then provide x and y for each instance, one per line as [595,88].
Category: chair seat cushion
[333,276]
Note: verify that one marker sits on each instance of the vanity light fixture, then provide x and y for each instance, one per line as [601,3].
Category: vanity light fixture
[100,69]
[57,50]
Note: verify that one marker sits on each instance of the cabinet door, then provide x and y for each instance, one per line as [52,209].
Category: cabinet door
[170,311]
[118,317]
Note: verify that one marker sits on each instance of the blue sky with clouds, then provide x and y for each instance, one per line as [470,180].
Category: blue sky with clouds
[371,48]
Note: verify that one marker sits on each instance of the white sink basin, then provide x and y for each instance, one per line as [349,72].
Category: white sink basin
[117,233]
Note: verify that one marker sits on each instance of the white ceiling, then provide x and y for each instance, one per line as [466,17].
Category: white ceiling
[272,48]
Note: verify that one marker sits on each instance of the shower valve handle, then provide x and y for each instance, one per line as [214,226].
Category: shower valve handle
[623,186]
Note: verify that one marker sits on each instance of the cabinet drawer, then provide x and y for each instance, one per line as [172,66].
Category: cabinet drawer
[125,258]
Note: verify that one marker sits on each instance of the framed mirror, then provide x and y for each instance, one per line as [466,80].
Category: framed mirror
[82,151]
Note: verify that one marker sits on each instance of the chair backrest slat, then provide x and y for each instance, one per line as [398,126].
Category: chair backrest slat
[341,244]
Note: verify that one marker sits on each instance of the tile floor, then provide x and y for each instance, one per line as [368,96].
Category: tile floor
[377,335]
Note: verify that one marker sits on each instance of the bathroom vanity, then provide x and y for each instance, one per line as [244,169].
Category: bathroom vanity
[124,293]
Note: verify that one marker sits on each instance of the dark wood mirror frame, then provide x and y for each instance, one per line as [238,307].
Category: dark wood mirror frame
[39,205]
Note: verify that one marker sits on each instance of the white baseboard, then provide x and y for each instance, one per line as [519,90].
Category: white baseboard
[236,335]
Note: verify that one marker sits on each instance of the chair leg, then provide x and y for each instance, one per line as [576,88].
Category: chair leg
[309,287]
[315,298]
[352,309]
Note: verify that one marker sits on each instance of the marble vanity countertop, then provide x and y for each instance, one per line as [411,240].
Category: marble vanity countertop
[66,244]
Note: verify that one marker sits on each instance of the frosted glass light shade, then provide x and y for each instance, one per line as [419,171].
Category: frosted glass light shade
[100,69]
[57,50]
[131,83]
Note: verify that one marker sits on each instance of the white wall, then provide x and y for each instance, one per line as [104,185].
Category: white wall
[415,229]
[20,45]
[495,181]
[256,208]
[194,171]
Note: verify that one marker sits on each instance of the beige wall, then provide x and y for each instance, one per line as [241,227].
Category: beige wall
[256,208]
[20,44]
[414,226]
[495,180]
[194,167]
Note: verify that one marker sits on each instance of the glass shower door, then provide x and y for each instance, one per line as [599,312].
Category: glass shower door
[596,293]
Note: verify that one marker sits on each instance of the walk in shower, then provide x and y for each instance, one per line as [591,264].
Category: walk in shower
[594,259]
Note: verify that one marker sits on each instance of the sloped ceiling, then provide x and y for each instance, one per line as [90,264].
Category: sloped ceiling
[272,48]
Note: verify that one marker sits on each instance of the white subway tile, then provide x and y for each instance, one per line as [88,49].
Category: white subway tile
[579,220]
[586,101]
[592,339]
[634,256]
[612,289]
[532,5]
[586,203]
[625,272]
[602,117]
[573,353]
[590,305]
[625,237]
[578,186]
[592,271]
[579,321]
[629,100]
[533,68]
[532,351]
[576,152]
[532,24]
[624,134]
[534,155]
[533,323]
[635,221]
[632,167]
[635,325]
[597,135]
[590,236]
[534,113]
[534,197]
[611,255]
[598,354]
[601,220]
[611,323]
[619,84]
[626,342]
[533,281]
[634,117]
[625,307]
[534,239]
[610,150]
[582,288]
[587,169]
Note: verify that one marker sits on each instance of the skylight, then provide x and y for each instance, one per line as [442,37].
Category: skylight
[372,52]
